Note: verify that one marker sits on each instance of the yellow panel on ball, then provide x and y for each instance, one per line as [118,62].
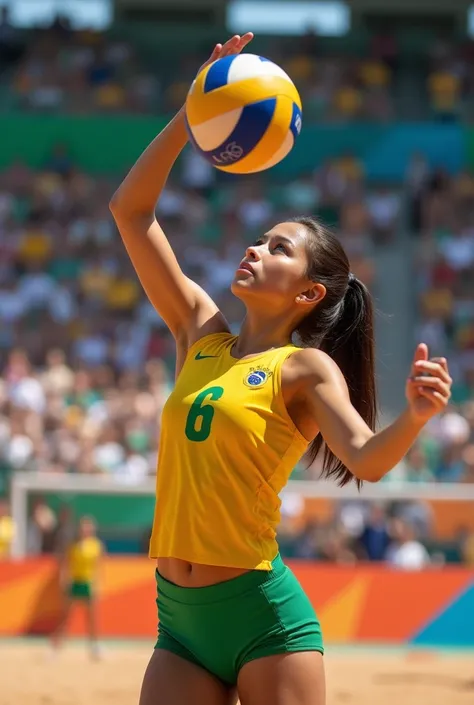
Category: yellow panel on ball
[205,106]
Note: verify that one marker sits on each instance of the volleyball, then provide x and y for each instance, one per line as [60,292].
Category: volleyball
[243,113]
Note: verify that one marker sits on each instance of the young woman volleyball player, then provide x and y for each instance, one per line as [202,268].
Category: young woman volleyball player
[232,618]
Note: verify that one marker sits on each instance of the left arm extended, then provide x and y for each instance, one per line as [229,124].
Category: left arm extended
[367,455]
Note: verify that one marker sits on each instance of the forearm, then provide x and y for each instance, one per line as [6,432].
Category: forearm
[141,188]
[385,449]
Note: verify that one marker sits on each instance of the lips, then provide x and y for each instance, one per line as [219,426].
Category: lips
[245,265]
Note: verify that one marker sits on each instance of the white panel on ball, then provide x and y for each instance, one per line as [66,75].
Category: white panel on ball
[214,132]
[250,66]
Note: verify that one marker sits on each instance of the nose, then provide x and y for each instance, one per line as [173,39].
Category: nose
[251,253]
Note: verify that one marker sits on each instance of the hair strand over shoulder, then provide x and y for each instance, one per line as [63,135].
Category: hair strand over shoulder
[342,326]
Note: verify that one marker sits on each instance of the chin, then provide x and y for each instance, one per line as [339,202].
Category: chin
[247,291]
[238,288]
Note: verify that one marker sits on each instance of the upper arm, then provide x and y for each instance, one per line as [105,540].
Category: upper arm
[327,396]
[185,307]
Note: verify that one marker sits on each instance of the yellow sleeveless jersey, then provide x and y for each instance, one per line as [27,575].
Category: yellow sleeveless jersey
[227,448]
[83,558]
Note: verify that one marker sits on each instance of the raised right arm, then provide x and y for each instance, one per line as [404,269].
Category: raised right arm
[186,309]
[184,306]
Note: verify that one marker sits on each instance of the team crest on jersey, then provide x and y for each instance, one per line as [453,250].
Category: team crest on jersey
[257,376]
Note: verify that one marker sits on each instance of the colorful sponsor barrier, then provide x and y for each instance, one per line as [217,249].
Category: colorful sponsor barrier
[355,604]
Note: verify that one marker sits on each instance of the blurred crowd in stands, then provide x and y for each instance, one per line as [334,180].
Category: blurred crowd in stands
[57,69]
[402,534]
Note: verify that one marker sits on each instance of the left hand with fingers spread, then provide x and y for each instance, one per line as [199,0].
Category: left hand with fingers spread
[428,388]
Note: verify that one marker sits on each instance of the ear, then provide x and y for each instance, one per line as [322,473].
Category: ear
[311,296]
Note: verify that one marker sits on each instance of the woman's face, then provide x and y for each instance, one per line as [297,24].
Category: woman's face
[86,528]
[274,268]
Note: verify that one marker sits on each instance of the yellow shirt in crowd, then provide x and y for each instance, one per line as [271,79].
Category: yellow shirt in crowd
[7,533]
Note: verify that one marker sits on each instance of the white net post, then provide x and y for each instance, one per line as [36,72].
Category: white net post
[24,483]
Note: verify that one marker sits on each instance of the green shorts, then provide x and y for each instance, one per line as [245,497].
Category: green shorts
[222,627]
[80,591]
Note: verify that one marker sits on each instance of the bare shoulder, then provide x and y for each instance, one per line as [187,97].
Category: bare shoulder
[209,318]
[312,366]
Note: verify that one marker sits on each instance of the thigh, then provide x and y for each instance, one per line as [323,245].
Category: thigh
[171,680]
[90,607]
[285,679]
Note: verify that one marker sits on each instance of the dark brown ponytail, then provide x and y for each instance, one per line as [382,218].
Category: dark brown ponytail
[342,326]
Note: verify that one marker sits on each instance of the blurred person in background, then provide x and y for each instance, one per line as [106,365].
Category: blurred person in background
[7,530]
[80,576]
[65,531]
[375,538]
[219,448]
[467,549]
[58,378]
[406,551]
[384,207]
[336,547]
[468,460]
[444,88]
[41,527]
[416,178]
[416,465]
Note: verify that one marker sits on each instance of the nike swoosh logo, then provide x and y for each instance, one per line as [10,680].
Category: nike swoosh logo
[199,356]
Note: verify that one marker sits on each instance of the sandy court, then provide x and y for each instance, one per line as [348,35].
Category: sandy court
[29,676]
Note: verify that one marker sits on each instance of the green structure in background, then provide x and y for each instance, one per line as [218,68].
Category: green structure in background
[469,148]
[110,144]
[99,144]
[124,519]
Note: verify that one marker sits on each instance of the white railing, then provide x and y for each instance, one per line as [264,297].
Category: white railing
[24,483]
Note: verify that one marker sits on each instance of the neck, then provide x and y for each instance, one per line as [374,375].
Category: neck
[258,334]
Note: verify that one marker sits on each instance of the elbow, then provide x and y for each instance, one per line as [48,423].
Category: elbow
[125,211]
[367,472]
[116,205]
[364,463]
[122,205]
[365,475]
[374,476]
[121,212]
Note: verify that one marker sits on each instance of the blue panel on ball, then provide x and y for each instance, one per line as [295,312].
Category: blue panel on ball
[248,132]
[262,58]
[218,73]
[296,121]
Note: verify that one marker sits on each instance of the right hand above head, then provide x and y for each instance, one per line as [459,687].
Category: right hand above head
[234,45]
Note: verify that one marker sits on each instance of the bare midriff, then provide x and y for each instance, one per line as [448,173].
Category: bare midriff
[195,575]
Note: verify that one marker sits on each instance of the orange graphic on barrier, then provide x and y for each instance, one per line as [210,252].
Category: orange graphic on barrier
[363,603]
